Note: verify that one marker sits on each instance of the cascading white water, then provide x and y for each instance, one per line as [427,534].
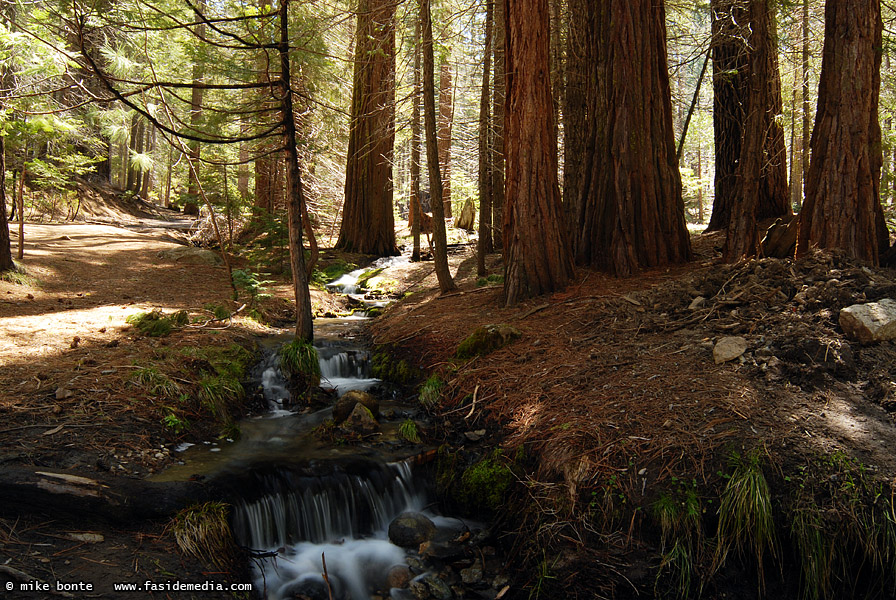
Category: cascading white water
[342,517]
[344,369]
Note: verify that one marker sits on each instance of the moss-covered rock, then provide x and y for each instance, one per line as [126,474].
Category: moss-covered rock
[386,366]
[346,404]
[486,339]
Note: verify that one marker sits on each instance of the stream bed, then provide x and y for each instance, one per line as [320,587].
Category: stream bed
[319,518]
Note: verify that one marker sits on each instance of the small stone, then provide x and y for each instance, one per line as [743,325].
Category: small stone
[698,302]
[63,393]
[475,436]
[346,404]
[411,529]
[729,348]
[399,577]
[472,575]
[362,420]
[75,341]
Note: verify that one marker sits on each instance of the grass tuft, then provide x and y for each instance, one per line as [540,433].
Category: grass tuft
[156,323]
[409,431]
[299,359]
[202,532]
[431,391]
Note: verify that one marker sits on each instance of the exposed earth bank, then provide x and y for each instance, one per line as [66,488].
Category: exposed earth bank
[625,437]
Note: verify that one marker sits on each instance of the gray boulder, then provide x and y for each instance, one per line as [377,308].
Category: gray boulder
[872,322]
[411,529]
[729,348]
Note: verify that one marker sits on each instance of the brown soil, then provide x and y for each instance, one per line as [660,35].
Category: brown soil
[612,379]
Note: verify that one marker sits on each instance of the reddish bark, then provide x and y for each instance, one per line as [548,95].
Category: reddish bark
[368,225]
[537,257]
[842,205]
[633,214]
[446,124]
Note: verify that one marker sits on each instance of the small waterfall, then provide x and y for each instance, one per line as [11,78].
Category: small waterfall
[341,516]
[273,384]
[344,369]
[324,508]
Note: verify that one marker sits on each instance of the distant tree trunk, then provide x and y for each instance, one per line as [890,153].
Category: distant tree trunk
[191,206]
[147,174]
[414,209]
[500,36]
[439,236]
[700,215]
[796,148]
[295,197]
[737,48]
[135,145]
[633,214]
[575,113]
[537,256]
[761,173]
[6,263]
[446,123]
[484,245]
[368,225]
[842,204]
[242,171]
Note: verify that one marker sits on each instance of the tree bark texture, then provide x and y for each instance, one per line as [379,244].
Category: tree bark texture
[191,206]
[760,180]
[842,204]
[414,208]
[6,263]
[575,111]
[632,213]
[295,200]
[484,244]
[499,97]
[439,236]
[368,225]
[737,47]
[537,256]
[446,125]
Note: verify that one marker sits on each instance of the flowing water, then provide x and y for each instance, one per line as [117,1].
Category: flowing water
[299,502]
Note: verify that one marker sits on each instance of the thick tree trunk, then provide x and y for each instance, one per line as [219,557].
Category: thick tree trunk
[842,205]
[500,35]
[446,124]
[439,236]
[484,244]
[295,198]
[633,214]
[368,225]
[807,108]
[414,208]
[735,45]
[760,190]
[557,66]
[6,263]
[575,111]
[537,256]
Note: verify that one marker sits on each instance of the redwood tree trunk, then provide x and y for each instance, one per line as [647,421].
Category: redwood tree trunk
[498,100]
[446,123]
[842,204]
[484,245]
[575,113]
[537,257]
[439,236]
[368,225]
[414,209]
[633,213]
[6,263]
[739,44]
[760,182]
[191,206]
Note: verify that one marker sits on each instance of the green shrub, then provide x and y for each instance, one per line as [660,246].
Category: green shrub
[156,323]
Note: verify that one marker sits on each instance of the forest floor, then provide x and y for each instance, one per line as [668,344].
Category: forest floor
[612,391]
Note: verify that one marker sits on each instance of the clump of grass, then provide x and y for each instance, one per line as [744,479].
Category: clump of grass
[431,391]
[679,514]
[202,532]
[18,276]
[155,382]
[299,358]
[157,324]
[217,392]
[491,279]
[409,431]
[746,520]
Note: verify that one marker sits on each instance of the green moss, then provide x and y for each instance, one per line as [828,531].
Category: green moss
[486,339]
[18,276]
[384,365]
[366,276]
[321,277]
[485,484]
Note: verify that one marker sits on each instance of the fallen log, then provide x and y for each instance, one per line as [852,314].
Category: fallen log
[97,496]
